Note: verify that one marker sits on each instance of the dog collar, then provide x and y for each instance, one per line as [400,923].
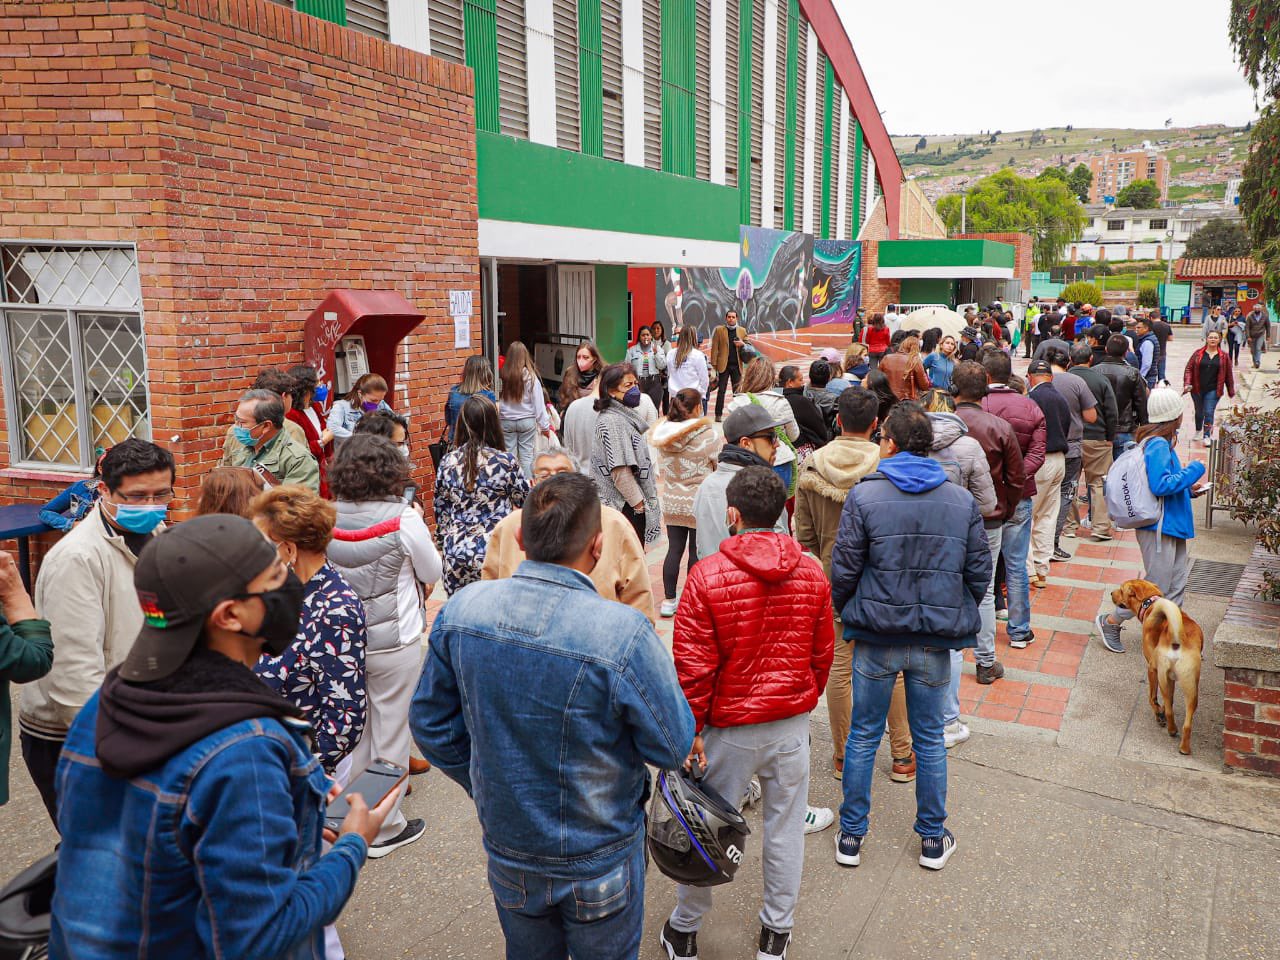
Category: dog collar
[1146,608]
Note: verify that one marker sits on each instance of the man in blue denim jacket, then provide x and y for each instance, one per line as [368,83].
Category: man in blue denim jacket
[544,701]
[190,805]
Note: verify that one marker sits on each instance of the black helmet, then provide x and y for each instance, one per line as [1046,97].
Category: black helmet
[695,836]
[25,905]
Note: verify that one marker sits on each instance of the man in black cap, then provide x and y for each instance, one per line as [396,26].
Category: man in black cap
[969,343]
[750,439]
[187,786]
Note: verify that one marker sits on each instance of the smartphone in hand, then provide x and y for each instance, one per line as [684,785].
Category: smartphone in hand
[378,780]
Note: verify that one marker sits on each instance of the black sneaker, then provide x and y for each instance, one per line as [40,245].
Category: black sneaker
[773,944]
[1060,554]
[936,851]
[413,830]
[1021,642]
[848,850]
[678,944]
[990,674]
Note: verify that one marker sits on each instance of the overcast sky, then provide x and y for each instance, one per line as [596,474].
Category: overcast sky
[939,66]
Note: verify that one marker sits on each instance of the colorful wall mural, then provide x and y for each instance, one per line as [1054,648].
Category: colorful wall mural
[784,281]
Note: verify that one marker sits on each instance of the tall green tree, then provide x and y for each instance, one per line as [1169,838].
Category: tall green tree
[1141,195]
[1219,238]
[1007,203]
[1052,173]
[1080,180]
[1254,27]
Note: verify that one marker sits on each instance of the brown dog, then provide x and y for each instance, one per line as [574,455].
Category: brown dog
[1172,643]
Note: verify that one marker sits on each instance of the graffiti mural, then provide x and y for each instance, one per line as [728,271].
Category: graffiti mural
[784,281]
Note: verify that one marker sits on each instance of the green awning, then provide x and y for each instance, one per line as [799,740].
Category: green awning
[946,259]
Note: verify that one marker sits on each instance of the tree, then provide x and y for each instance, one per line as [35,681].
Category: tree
[1141,195]
[1007,203]
[1080,180]
[922,144]
[1082,291]
[1052,173]
[1254,28]
[1219,238]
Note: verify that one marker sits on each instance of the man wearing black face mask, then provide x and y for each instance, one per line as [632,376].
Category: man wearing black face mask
[189,785]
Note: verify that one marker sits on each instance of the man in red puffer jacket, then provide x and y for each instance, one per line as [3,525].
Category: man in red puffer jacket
[753,646]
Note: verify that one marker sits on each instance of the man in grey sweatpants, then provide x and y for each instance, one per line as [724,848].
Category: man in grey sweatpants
[758,600]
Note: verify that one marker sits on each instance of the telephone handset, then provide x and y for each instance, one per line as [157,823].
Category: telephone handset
[351,361]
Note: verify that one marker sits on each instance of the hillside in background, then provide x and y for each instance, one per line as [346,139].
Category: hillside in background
[1201,159]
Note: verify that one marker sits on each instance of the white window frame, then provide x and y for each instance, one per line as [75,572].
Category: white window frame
[73,312]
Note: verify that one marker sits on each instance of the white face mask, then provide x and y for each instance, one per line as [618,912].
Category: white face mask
[404,450]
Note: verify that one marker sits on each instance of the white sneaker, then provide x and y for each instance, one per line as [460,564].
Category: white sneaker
[753,793]
[817,819]
[668,608]
[954,733]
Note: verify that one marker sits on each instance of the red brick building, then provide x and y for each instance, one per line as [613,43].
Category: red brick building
[181,183]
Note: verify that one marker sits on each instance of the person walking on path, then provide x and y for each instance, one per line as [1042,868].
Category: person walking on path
[522,406]
[759,600]
[729,346]
[903,518]
[1082,407]
[1099,439]
[479,483]
[824,485]
[650,363]
[1164,544]
[557,773]
[1257,328]
[383,549]
[1208,377]
[1048,497]
[1130,390]
[685,445]
[621,574]
[1027,421]
[85,590]
[477,380]
[26,653]
[620,461]
[1215,322]
[1235,335]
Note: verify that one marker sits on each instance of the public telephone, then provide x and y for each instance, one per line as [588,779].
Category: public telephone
[351,362]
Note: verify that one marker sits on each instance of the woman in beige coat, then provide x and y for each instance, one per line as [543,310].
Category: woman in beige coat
[684,446]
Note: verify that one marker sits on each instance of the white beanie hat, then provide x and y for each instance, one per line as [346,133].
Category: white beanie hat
[1164,404]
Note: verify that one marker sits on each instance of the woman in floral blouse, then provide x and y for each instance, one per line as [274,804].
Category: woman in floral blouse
[479,483]
[323,673]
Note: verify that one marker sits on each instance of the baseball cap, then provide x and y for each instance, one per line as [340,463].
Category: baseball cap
[1039,366]
[181,575]
[970,332]
[747,420]
[831,355]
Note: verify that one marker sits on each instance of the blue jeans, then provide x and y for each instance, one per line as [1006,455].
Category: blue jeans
[1121,441]
[1255,347]
[1015,542]
[927,672]
[985,654]
[1205,404]
[545,918]
[520,436]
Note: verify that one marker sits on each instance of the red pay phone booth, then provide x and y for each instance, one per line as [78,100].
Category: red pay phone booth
[353,332]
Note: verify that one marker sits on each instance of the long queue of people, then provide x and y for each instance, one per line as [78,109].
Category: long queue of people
[218,681]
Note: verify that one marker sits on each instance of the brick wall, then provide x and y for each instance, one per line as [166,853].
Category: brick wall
[877,294]
[258,157]
[1251,720]
[1022,244]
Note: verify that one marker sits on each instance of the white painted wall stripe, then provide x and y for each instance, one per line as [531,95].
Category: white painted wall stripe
[540,75]
[810,111]
[511,240]
[633,82]
[842,171]
[718,84]
[769,128]
[409,25]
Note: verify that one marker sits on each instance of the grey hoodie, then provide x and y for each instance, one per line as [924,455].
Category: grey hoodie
[953,445]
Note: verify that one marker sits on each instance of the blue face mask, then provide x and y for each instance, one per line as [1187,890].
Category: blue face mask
[140,519]
[321,394]
[244,435]
[632,397]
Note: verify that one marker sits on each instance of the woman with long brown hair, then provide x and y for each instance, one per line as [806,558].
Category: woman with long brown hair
[905,369]
[477,378]
[581,379]
[522,406]
[687,365]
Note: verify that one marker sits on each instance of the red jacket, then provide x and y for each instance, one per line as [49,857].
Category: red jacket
[753,633]
[1226,386]
[877,338]
[1027,420]
[314,445]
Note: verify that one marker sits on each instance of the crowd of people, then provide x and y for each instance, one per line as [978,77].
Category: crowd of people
[195,692]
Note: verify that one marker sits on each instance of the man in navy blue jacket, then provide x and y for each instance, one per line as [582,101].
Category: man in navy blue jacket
[909,567]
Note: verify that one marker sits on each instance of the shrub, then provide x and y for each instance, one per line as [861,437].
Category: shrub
[1252,486]
[1148,294]
[1082,291]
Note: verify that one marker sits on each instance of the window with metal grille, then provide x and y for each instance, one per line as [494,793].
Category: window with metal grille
[731,77]
[513,91]
[702,90]
[74,364]
[565,22]
[445,22]
[611,72]
[1115,224]
[653,84]
[368,16]
[1158,225]
[756,115]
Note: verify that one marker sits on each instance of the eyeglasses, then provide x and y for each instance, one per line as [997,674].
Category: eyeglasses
[770,436]
[246,423]
[143,499]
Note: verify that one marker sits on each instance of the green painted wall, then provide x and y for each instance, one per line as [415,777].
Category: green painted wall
[335,11]
[532,183]
[745,12]
[480,28]
[828,102]
[946,253]
[789,119]
[590,79]
[679,78]
[858,213]
[928,291]
[612,327]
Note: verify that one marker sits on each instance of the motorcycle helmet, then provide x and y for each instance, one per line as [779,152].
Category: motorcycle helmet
[25,906]
[695,836]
